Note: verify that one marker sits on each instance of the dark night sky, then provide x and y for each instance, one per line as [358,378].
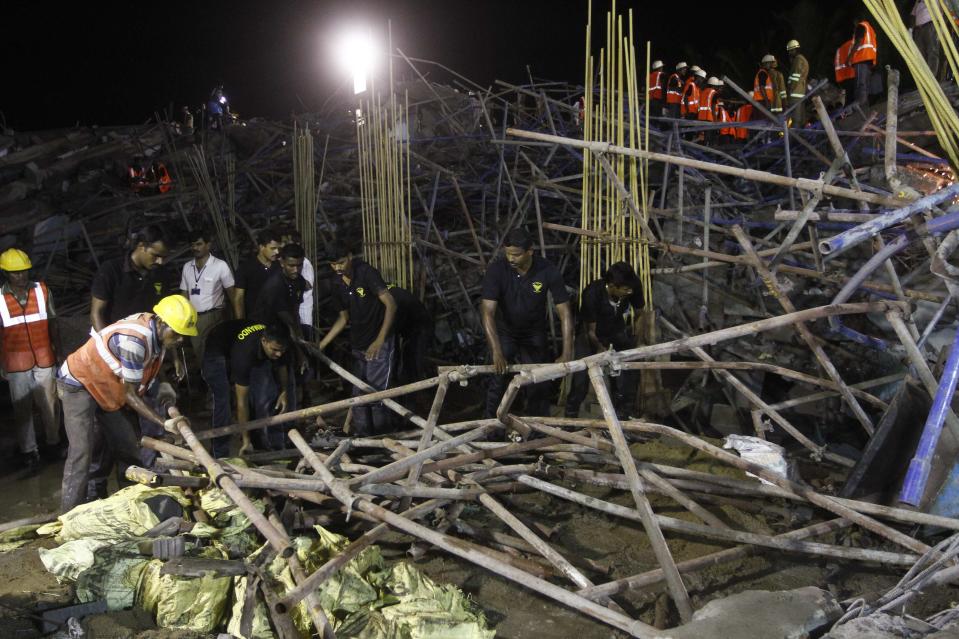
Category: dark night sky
[116,63]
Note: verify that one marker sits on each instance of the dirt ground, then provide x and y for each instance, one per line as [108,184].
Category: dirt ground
[602,547]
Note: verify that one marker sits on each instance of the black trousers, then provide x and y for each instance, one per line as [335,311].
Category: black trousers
[523,349]
[623,387]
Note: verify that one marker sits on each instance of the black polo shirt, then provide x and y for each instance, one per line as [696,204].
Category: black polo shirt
[521,299]
[250,277]
[610,317]
[277,294]
[411,316]
[127,290]
[361,300]
[239,342]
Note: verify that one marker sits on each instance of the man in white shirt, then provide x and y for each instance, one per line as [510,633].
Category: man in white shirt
[207,281]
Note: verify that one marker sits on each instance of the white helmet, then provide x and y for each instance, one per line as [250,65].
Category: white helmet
[713,81]
[700,73]
[694,68]
[680,66]
[768,58]
[657,64]
[792,44]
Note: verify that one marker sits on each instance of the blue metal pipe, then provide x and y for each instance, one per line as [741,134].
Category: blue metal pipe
[847,239]
[918,474]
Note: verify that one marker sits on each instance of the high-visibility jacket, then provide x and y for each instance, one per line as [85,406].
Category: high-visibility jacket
[674,89]
[164,181]
[743,114]
[798,76]
[655,85]
[690,102]
[707,106]
[865,51]
[844,70]
[763,89]
[98,369]
[779,84]
[722,115]
[26,331]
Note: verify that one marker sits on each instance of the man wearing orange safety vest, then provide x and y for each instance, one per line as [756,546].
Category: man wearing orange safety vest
[656,90]
[743,114]
[708,98]
[29,341]
[768,89]
[796,82]
[727,133]
[845,74]
[104,381]
[862,58]
[674,90]
[689,107]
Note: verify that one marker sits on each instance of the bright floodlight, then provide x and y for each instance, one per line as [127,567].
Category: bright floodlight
[357,54]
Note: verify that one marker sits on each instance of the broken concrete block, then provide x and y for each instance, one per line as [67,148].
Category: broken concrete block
[725,419]
[762,614]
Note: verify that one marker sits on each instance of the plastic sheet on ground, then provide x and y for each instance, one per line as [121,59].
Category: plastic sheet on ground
[114,576]
[759,451]
[68,560]
[17,537]
[196,604]
[368,599]
[119,517]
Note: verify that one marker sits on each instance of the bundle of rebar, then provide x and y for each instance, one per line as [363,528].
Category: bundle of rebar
[614,195]
[196,158]
[383,135]
[304,201]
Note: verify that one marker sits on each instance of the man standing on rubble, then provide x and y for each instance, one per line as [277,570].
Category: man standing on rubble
[29,343]
[766,85]
[674,90]
[691,90]
[656,89]
[515,291]
[365,303]
[253,272]
[796,82]
[207,281]
[105,379]
[862,58]
[279,303]
[133,283]
[604,306]
[249,356]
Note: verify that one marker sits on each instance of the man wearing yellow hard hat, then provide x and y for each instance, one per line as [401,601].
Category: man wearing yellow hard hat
[29,342]
[106,379]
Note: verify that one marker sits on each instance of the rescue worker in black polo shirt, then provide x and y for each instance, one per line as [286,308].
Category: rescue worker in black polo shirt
[249,355]
[365,303]
[603,308]
[514,317]
[414,330]
[253,272]
[279,303]
[130,284]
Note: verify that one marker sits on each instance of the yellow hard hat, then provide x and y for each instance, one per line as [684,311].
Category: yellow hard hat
[792,44]
[178,314]
[15,260]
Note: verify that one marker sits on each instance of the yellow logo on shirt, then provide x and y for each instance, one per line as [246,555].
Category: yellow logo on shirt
[249,330]
[361,291]
[537,287]
[158,286]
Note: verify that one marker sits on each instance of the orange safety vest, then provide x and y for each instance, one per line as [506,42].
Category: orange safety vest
[763,92]
[165,182]
[722,115]
[690,101]
[655,85]
[98,369]
[866,51]
[674,89]
[26,331]
[743,114]
[706,106]
[844,71]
